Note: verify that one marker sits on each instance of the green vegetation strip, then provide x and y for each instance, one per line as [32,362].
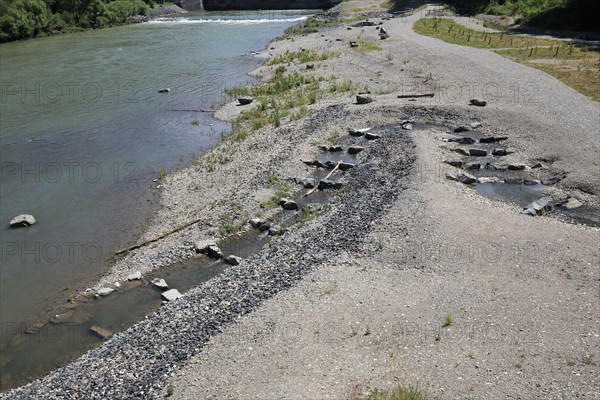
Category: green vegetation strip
[285,95]
[578,67]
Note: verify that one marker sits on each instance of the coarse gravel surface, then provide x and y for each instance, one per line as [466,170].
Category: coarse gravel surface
[360,294]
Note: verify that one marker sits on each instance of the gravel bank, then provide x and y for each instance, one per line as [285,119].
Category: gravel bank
[359,295]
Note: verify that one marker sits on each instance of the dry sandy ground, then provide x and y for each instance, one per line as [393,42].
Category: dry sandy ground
[523,292]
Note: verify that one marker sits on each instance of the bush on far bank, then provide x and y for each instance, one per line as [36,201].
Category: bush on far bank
[24,19]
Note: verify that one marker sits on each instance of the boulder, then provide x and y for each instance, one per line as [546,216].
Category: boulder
[256,222]
[573,203]
[308,183]
[454,163]
[328,184]
[355,149]
[209,248]
[288,204]
[478,152]
[460,151]
[171,295]
[358,132]
[407,126]
[499,152]
[539,207]
[160,283]
[475,124]
[363,99]
[233,260]
[332,149]
[245,100]
[22,220]
[467,179]
[264,226]
[372,136]
[165,90]
[472,166]
[478,102]
[516,166]
[103,333]
[105,291]
[134,276]
[492,139]
[344,166]
[353,44]
[451,176]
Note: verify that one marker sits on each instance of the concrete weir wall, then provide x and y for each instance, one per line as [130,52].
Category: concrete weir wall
[210,5]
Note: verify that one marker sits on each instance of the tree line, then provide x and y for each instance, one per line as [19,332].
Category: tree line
[23,19]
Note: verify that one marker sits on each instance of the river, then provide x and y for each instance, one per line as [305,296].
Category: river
[85,134]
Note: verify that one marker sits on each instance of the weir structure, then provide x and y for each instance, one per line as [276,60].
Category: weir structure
[222,5]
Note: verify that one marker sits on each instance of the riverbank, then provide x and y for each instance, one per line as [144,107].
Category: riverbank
[409,277]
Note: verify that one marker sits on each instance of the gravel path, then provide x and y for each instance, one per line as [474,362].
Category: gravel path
[360,294]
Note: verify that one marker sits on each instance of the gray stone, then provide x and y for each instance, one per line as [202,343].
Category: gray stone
[499,152]
[327,184]
[245,100]
[233,260]
[475,124]
[478,152]
[209,248]
[256,222]
[165,90]
[454,163]
[467,179]
[472,166]
[171,295]
[407,126]
[308,183]
[358,132]
[492,139]
[573,203]
[478,102]
[160,283]
[516,166]
[451,176]
[363,99]
[344,166]
[101,332]
[288,204]
[460,151]
[371,136]
[264,226]
[335,149]
[539,207]
[105,291]
[22,220]
[355,149]
[137,275]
